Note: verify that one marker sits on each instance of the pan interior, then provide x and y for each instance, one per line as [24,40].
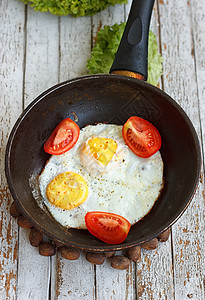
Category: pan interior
[112,99]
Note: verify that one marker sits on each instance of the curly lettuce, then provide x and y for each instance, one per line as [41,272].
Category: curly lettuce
[76,8]
[105,48]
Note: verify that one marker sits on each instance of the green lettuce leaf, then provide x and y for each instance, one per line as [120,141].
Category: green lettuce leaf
[105,48]
[76,8]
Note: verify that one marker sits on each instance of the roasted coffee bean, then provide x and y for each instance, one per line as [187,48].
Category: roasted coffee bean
[47,249]
[14,210]
[35,237]
[150,245]
[58,244]
[164,236]
[23,222]
[70,253]
[120,262]
[109,254]
[134,253]
[95,258]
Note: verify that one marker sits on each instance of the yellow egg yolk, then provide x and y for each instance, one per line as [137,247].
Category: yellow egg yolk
[67,190]
[102,149]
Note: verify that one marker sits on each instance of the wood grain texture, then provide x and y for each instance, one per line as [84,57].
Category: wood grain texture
[11,85]
[33,270]
[42,54]
[37,50]
[111,283]
[180,82]
[76,279]
[75,46]
[71,277]
[188,234]
[41,72]
[109,16]
[115,284]
[198,31]
[155,274]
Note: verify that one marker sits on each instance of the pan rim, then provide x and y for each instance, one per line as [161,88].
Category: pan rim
[104,247]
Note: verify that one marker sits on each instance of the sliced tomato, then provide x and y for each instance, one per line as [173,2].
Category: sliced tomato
[141,137]
[63,137]
[108,227]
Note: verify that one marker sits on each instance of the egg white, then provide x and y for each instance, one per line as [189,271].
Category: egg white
[128,186]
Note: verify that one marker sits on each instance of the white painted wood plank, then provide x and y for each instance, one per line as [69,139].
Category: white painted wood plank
[180,83]
[41,72]
[42,53]
[127,8]
[75,46]
[154,273]
[73,279]
[33,270]
[110,16]
[112,283]
[154,278]
[198,28]
[188,236]
[11,83]
[115,284]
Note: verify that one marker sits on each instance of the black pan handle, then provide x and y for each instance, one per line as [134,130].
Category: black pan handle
[132,54]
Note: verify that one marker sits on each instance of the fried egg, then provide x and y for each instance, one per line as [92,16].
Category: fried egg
[100,173]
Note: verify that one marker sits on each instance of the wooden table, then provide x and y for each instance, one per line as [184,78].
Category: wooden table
[39,50]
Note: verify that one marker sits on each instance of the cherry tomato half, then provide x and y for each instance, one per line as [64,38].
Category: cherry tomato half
[108,227]
[63,137]
[141,137]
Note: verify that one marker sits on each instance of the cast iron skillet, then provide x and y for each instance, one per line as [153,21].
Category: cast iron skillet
[111,99]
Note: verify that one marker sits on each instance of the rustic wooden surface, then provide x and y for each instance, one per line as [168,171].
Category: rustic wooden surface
[37,51]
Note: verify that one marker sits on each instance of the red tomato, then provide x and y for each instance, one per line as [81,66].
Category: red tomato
[141,137]
[108,227]
[63,137]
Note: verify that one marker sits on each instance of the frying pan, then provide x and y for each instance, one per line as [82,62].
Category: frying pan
[113,99]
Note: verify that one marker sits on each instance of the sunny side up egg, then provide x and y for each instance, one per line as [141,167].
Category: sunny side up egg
[100,173]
